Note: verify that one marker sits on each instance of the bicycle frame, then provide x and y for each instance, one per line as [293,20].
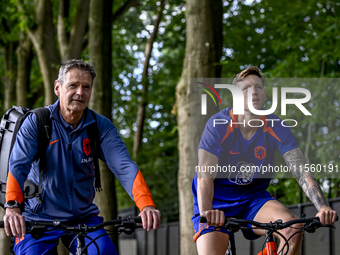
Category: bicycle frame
[80,245]
[270,249]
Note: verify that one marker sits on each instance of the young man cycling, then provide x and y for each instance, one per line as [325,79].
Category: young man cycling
[67,184]
[240,194]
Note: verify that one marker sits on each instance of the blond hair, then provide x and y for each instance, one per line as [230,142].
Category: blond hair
[248,71]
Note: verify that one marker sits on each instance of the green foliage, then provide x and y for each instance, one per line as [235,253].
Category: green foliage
[9,37]
[158,159]
[2,72]
[292,39]
[9,23]
[24,11]
[287,39]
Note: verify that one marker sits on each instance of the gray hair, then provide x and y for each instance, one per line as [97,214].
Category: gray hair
[78,64]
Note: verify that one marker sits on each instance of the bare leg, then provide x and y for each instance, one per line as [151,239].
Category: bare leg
[274,210]
[213,243]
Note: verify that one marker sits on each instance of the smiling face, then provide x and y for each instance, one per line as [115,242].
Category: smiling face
[254,83]
[75,92]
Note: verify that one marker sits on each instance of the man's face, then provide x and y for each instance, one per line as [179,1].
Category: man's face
[75,92]
[254,83]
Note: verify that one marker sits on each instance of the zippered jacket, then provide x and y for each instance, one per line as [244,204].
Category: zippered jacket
[68,180]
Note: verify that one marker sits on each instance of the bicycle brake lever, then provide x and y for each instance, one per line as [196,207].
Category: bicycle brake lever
[311,227]
[129,227]
[232,226]
[37,231]
[137,219]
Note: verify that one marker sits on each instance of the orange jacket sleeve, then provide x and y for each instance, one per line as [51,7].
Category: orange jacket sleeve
[13,190]
[141,193]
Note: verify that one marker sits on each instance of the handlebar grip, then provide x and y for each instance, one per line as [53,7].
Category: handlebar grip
[203,219]
[136,219]
[318,219]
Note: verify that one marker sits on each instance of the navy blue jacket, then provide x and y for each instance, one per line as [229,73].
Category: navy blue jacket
[67,183]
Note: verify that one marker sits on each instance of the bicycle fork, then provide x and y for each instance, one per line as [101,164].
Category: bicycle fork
[270,245]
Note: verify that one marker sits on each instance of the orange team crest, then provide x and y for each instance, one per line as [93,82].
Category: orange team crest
[260,152]
[87,146]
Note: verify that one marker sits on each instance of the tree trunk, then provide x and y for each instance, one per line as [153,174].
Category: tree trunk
[203,50]
[41,31]
[137,139]
[77,34]
[63,14]
[24,55]
[4,240]
[71,48]
[42,37]
[62,250]
[10,74]
[100,48]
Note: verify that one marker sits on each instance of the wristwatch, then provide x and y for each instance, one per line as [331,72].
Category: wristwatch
[12,204]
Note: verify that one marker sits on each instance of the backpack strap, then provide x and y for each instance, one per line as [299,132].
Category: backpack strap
[93,134]
[44,136]
[24,111]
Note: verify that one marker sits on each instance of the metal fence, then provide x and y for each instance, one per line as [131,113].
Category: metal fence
[165,240]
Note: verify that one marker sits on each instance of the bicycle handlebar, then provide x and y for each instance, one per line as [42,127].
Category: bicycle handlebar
[129,224]
[235,224]
[309,225]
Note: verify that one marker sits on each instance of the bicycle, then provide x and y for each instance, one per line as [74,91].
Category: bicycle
[269,247]
[38,228]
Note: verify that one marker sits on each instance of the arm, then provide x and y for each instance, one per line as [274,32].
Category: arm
[296,162]
[116,156]
[205,189]
[20,162]
[151,217]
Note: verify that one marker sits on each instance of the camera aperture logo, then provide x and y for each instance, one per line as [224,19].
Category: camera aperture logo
[204,97]
[238,103]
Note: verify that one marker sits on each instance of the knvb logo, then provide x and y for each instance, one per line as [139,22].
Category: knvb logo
[238,99]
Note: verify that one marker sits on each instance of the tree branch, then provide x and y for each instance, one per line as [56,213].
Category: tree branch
[137,140]
[5,26]
[78,30]
[62,37]
[128,4]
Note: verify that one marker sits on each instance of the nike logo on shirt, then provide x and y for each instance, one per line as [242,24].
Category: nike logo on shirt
[53,142]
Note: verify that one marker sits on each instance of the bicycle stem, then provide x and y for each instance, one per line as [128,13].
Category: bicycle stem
[81,245]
